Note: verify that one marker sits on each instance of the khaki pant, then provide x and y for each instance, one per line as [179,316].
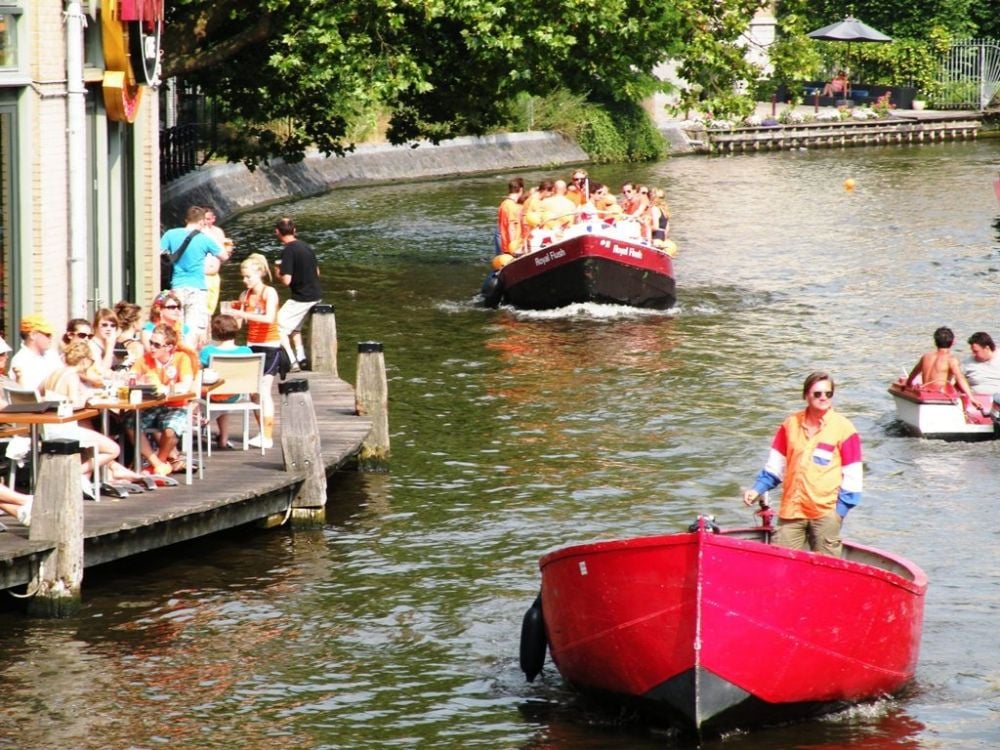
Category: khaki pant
[820,535]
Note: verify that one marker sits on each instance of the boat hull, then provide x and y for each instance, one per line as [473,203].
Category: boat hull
[713,631]
[935,415]
[589,268]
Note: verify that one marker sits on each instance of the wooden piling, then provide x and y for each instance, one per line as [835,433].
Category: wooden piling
[57,515]
[300,446]
[372,400]
[323,339]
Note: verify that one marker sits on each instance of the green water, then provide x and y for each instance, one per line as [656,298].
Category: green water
[513,433]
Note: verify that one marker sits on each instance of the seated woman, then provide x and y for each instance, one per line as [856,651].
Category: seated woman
[837,87]
[128,347]
[224,330]
[67,383]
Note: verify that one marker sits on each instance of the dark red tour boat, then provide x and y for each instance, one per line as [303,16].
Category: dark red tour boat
[717,630]
[587,267]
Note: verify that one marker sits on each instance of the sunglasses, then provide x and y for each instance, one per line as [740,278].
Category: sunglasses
[82,335]
[627,192]
[158,345]
[108,324]
[171,307]
[643,192]
[821,394]
[579,179]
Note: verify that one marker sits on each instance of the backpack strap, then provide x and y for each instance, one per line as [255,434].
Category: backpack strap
[176,256]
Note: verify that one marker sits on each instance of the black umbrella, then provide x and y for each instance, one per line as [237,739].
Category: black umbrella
[849,30]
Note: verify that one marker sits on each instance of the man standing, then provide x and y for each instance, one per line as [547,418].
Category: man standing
[509,218]
[816,453]
[36,359]
[983,371]
[299,271]
[188,282]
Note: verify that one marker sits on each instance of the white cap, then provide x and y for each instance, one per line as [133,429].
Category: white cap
[4,346]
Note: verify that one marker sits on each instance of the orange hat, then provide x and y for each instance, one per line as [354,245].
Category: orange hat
[38,323]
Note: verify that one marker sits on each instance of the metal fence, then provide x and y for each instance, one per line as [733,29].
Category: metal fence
[969,76]
[180,151]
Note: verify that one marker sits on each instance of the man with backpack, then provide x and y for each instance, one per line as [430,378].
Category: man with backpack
[183,251]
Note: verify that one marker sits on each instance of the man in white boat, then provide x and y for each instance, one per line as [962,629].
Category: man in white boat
[983,370]
[939,371]
[816,456]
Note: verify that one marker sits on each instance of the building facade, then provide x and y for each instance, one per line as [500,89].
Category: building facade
[79,166]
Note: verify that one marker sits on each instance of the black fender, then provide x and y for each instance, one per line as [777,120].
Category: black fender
[492,290]
[533,640]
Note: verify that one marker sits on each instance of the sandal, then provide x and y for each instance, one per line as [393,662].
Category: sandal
[158,469]
[178,466]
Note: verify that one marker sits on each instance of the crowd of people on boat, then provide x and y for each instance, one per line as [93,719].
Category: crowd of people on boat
[165,350]
[975,382]
[531,218]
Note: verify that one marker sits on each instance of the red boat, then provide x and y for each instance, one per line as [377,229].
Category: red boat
[717,630]
[591,266]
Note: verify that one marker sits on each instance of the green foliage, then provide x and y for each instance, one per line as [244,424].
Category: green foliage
[608,133]
[439,68]
[921,32]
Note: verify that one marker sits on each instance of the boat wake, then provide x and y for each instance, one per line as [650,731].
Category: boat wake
[592,310]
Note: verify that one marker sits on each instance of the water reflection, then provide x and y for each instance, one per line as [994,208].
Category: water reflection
[514,433]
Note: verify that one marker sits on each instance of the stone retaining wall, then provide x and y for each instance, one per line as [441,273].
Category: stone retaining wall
[232,188]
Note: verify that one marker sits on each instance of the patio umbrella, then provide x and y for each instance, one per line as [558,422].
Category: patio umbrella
[849,30]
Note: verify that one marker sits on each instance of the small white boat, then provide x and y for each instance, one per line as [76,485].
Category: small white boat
[932,414]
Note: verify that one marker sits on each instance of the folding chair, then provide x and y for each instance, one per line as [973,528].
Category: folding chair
[241,375]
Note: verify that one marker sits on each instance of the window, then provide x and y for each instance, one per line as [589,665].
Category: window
[8,40]
[9,13]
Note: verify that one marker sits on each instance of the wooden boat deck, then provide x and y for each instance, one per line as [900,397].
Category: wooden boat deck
[239,487]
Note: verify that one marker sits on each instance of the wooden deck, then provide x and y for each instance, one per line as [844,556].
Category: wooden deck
[239,487]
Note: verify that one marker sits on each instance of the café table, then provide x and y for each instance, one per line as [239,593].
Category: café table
[108,404]
[34,420]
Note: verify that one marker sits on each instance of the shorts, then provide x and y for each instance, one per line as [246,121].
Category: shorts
[292,314]
[195,304]
[165,418]
[272,357]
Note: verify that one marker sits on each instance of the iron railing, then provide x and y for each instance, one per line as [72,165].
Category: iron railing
[969,75]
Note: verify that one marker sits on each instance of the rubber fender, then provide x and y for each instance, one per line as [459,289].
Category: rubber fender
[533,640]
[492,290]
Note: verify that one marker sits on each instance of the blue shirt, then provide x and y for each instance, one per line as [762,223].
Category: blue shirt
[189,271]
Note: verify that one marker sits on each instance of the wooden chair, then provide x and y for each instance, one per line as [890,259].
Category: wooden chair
[242,375]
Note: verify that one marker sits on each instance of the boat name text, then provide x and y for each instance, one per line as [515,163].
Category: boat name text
[550,255]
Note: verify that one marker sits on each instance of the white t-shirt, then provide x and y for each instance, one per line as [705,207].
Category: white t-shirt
[984,377]
[30,368]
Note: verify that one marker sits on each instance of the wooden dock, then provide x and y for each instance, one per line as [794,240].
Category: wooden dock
[239,487]
[922,128]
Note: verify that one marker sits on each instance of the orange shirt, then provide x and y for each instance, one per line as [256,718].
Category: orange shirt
[259,334]
[509,224]
[177,369]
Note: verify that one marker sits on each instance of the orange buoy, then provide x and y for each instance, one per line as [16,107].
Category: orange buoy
[849,184]
[501,260]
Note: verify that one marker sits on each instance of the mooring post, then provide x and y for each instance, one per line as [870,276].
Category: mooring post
[57,516]
[371,399]
[323,339]
[301,447]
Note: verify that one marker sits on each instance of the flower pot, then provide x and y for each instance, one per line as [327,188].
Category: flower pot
[919,104]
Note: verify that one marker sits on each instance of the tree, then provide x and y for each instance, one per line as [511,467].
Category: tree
[289,74]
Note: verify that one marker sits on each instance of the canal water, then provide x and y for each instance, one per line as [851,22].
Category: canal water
[396,624]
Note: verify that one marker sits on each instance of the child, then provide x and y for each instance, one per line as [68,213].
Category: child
[224,328]
[258,306]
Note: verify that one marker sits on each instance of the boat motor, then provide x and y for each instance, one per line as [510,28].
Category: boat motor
[995,412]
